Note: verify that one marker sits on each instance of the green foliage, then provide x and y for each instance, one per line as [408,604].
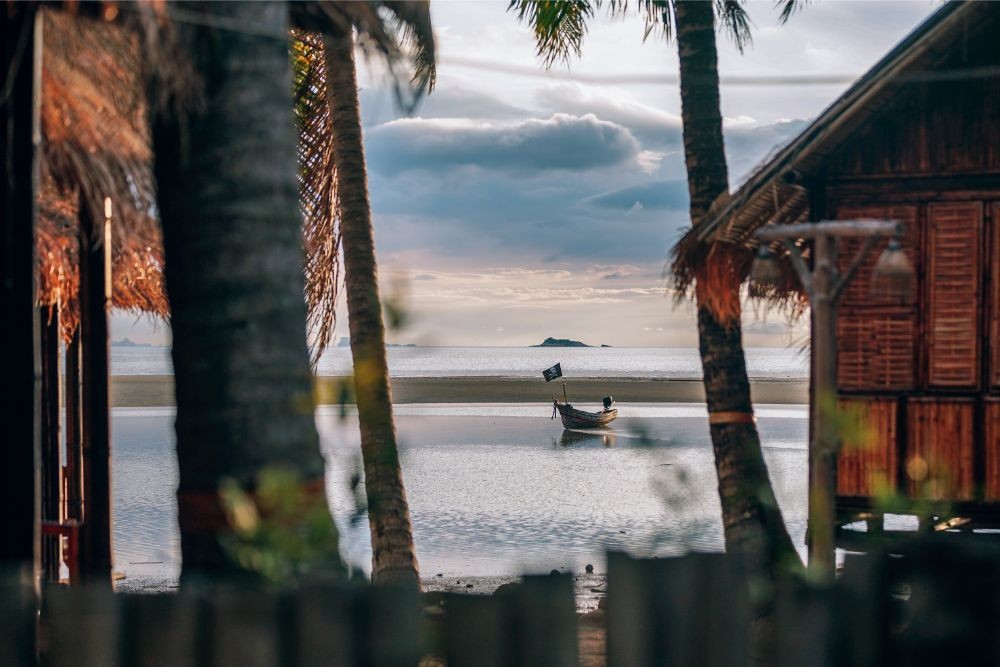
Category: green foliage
[282,531]
[560,25]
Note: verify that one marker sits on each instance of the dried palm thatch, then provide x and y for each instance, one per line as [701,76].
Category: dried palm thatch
[96,145]
[715,255]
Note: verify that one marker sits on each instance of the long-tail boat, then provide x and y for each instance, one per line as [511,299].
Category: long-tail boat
[572,417]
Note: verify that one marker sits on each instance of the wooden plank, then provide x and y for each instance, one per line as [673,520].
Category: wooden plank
[51,468]
[863,634]
[630,612]
[95,533]
[18,607]
[161,630]
[544,622]
[83,626]
[994,296]
[20,56]
[804,624]
[991,449]
[244,624]
[393,626]
[476,631]
[954,276]
[939,452]
[867,462]
[328,625]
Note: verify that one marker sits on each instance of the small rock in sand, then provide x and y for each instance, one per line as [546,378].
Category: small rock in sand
[468,585]
[554,572]
[589,568]
[438,575]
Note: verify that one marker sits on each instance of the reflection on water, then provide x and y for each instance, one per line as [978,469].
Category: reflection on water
[586,438]
[494,489]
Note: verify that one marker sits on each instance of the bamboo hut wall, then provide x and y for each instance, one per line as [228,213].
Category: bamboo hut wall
[877,334]
[991,450]
[932,127]
[940,448]
[867,464]
[993,289]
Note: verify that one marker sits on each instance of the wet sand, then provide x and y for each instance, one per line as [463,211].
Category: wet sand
[137,391]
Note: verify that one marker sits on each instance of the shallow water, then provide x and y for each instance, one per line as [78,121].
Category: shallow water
[493,489]
[511,362]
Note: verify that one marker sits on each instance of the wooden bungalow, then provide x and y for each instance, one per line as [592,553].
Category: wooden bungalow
[97,246]
[916,139]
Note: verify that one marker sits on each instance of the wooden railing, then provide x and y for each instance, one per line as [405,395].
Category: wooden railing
[936,606]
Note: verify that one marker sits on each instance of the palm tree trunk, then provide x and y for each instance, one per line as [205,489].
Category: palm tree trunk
[393,556]
[226,175]
[752,520]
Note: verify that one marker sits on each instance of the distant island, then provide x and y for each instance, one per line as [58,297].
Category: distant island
[563,342]
[128,342]
[345,341]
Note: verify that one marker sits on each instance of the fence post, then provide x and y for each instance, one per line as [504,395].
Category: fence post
[17,618]
[630,618]
[393,626]
[244,625]
[475,632]
[544,622]
[83,626]
[162,630]
[327,625]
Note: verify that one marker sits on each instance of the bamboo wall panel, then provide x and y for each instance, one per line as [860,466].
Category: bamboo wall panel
[939,451]
[875,348]
[859,291]
[991,449]
[954,275]
[945,127]
[867,461]
[994,282]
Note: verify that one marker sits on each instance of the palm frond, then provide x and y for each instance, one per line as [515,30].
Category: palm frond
[734,21]
[788,7]
[559,26]
[317,192]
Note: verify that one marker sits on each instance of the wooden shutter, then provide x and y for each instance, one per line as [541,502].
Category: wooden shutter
[876,334]
[954,274]
[991,449]
[867,464]
[858,292]
[939,456]
[994,264]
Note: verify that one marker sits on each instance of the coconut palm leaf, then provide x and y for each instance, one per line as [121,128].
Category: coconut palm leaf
[559,26]
[398,33]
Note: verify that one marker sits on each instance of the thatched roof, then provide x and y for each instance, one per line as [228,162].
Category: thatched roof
[95,145]
[717,253]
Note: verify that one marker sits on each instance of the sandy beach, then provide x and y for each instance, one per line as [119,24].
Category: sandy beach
[139,391]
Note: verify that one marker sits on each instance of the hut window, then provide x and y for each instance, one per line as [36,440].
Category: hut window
[954,275]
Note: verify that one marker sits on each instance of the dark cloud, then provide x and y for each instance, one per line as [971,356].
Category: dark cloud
[378,106]
[661,194]
[562,142]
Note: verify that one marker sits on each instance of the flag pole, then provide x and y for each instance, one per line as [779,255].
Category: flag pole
[565,400]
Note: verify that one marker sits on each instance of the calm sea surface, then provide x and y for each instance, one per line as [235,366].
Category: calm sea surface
[493,489]
[512,361]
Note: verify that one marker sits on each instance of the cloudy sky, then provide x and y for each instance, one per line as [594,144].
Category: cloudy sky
[514,204]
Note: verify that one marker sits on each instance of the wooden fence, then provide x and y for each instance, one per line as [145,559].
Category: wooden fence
[935,606]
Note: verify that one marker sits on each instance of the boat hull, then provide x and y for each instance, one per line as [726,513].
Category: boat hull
[573,418]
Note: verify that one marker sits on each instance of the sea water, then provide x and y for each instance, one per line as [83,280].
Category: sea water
[512,361]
